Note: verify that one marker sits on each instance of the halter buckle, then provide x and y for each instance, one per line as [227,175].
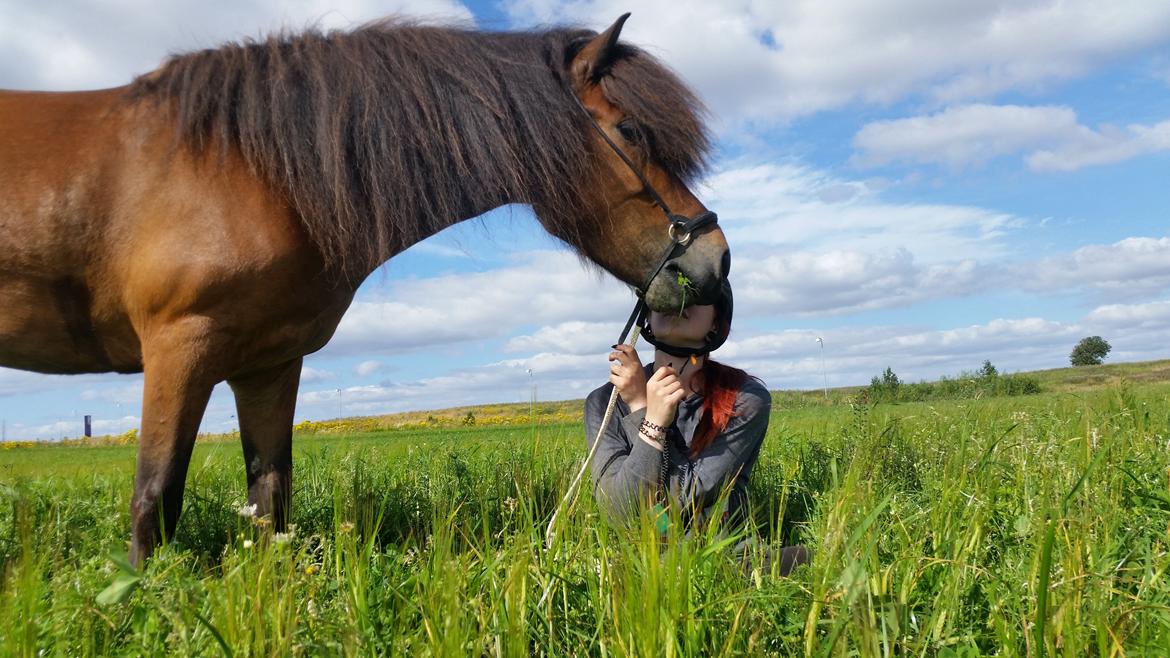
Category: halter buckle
[675,229]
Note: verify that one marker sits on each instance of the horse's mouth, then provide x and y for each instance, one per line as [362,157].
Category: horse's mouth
[671,298]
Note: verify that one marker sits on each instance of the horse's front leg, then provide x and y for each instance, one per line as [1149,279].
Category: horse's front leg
[180,362]
[265,402]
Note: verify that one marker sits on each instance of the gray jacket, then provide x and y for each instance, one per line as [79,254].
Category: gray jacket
[626,469]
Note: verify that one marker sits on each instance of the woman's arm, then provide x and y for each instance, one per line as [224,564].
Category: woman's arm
[625,467]
[732,453]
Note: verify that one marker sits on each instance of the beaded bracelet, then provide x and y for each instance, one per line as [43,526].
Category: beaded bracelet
[652,439]
[656,428]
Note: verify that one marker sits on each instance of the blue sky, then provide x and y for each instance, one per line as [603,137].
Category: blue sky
[924,184]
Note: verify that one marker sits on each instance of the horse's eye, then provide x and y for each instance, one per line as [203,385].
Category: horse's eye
[629,131]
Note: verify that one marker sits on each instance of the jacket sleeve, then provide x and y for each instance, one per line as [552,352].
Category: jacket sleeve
[625,468]
[732,453]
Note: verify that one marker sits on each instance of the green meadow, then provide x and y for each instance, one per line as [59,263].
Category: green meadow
[1034,525]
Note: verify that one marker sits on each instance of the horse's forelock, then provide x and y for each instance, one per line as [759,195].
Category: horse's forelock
[669,113]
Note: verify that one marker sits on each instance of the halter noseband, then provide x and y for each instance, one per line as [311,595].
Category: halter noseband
[681,230]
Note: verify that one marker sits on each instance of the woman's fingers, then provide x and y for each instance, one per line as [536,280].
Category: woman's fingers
[664,383]
[626,353]
[663,372]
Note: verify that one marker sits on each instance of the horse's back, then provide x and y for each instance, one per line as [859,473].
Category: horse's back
[53,151]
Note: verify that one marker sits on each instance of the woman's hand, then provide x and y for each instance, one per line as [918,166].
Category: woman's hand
[663,393]
[627,375]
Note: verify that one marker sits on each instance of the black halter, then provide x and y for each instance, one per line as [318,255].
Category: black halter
[681,229]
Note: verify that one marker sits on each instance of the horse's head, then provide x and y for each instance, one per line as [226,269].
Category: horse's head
[656,144]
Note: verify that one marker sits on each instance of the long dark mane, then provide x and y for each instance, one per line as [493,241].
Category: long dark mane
[386,134]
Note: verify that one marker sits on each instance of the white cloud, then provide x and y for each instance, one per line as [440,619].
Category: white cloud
[117,393]
[769,61]
[971,135]
[556,376]
[771,208]
[315,375]
[543,287]
[838,282]
[1106,145]
[573,337]
[962,136]
[58,46]
[97,386]
[1128,269]
[74,428]
[1145,316]
[367,368]
[20,382]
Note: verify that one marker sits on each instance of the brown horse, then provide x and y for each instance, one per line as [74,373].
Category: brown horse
[212,220]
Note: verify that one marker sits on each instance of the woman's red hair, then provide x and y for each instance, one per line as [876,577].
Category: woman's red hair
[721,386]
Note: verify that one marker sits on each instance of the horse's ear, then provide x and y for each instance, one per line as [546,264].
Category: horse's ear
[594,59]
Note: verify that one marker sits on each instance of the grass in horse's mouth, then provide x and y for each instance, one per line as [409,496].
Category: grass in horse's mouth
[684,282]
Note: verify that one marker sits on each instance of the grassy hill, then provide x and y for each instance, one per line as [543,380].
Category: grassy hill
[1093,377]
[1057,380]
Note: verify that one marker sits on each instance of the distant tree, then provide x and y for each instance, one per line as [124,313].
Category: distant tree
[890,380]
[885,387]
[988,371]
[1090,351]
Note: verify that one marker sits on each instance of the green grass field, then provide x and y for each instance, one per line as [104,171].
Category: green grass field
[1024,526]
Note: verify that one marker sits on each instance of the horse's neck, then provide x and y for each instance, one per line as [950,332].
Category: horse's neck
[514,171]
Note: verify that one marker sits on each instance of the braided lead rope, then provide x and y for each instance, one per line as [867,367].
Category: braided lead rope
[571,495]
[681,231]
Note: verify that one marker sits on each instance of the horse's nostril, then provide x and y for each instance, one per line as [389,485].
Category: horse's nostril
[725,264]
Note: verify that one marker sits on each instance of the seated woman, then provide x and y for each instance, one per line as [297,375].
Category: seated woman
[685,427]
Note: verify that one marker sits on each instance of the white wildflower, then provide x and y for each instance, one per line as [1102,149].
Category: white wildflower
[248,543]
[284,537]
[247,511]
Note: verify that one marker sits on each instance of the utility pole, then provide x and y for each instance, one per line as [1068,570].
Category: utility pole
[532,398]
[824,373]
[339,407]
